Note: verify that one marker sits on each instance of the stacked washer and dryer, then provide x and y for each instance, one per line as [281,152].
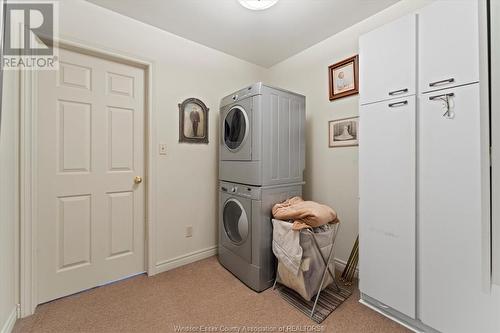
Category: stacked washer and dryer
[261,163]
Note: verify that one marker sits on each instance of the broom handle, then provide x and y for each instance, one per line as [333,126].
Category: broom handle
[344,272]
[352,263]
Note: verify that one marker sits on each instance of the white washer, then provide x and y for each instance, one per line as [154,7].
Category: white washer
[263,136]
[245,230]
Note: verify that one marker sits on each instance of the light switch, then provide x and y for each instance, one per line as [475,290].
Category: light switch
[163,149]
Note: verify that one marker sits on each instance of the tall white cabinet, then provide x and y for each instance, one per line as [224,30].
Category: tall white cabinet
[387,160]
[421,186]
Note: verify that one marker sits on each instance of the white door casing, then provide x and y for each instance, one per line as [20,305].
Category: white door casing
[90,146]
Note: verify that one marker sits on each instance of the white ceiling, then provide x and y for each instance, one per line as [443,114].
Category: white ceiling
[261,37]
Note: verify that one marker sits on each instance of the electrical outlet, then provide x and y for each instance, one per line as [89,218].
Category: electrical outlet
[163,149]
[189,231]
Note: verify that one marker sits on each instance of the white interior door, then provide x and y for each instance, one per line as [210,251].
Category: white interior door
[90,148]
[387,203]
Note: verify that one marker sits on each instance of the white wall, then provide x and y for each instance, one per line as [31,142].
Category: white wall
[332,173]
[187,176]
[8,201]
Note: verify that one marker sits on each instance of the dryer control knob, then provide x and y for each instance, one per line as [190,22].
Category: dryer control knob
[234,189]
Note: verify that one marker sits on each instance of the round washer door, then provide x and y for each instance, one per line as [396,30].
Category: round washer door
[235,221]
[235,128]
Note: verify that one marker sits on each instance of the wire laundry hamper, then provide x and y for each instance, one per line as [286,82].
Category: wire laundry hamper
[317,267]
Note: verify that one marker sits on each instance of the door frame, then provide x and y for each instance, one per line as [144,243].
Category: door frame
[28,95]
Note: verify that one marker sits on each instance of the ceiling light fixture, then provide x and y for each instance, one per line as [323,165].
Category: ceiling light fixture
[258,4]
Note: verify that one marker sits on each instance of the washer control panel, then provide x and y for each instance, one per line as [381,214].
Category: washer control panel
[242,94]
[240,190]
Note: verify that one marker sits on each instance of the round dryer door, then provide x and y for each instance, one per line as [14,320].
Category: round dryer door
[235,128]
[235,221]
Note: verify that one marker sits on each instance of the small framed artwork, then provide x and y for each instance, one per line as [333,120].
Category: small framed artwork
[343,132]
[193,121]
[344,78]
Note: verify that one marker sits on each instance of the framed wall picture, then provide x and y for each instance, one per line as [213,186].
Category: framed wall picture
[193,121]
[343,132]
[344,78]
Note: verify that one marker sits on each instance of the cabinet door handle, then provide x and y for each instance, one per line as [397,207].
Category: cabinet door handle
[397,92]
[438,83]
[394,105]
[433,98]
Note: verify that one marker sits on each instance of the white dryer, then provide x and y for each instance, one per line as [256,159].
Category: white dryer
[263,136]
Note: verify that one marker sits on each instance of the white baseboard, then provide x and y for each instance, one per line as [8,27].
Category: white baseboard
[340,265]
[9,324]
[189,258]
[185,259]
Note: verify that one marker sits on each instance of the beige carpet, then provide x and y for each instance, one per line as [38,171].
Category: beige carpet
[202,295]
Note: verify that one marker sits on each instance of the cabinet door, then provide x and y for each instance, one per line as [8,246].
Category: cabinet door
[387,203]
[450,274]
[448,44]
[387,61]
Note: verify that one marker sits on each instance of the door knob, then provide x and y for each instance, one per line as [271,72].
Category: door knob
[138,179]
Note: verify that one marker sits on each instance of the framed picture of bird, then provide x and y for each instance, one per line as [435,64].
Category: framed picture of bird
[193,121]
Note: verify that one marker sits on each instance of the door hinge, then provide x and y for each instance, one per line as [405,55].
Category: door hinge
[18,310]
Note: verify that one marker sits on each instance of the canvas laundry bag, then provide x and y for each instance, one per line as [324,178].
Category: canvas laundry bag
[305,278]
